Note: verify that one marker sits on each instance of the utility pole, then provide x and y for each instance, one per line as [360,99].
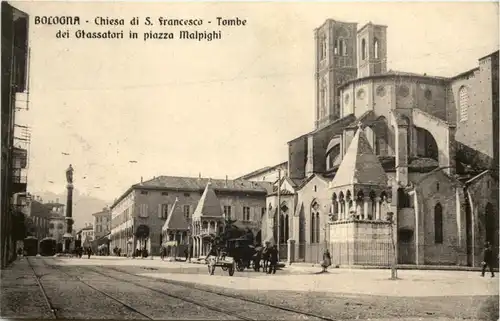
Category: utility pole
[394,272]
[279,212]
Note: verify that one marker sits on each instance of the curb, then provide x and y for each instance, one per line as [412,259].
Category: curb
[399,267]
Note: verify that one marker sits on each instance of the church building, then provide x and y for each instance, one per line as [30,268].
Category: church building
[398,163]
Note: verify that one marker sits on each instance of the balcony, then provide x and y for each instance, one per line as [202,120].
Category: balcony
[19,180]
[19,158]
[208,231]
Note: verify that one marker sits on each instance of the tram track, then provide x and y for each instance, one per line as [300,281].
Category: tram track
[200,304]
[54,310]
[51,307]
[213,292]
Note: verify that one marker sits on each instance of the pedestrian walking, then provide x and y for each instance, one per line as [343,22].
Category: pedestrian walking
[89,251]
[488,259]
[273,260]
[327,261]
[265,257]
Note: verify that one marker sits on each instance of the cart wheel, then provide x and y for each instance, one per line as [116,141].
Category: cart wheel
[231,270]
[240,266]
[224,268]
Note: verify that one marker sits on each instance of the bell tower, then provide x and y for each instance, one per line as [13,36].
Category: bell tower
[335,64]
[372,50]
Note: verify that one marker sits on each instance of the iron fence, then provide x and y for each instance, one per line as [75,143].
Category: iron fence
[369,253]
[348,253]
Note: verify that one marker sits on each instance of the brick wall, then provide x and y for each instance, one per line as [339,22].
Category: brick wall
[479,131]
[482,192]
[450,251]
[297,153]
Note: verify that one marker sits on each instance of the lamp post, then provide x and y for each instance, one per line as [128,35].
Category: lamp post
[394,272]
[189,243]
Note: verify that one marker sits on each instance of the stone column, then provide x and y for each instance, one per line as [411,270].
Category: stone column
[291,251]
[377,207]
[366,203]
[69,210]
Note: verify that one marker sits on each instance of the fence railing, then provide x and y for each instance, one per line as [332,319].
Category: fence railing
[347,253]
[371,253]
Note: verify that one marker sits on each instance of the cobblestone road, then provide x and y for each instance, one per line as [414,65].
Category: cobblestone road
[117,288]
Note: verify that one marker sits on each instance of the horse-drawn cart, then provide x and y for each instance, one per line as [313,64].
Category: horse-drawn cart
[225,263]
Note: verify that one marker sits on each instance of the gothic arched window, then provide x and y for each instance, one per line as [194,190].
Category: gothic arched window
[323,47]
[463,103]
[341,46]
[313,227]
[381,137]
[438,224]
[363,49]
[375,48]
[323,99]
[344,47]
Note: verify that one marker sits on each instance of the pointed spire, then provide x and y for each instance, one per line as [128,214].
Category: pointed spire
[209,204]
[360,165]
[176,219]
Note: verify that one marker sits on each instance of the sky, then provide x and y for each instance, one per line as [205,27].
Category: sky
[218,108]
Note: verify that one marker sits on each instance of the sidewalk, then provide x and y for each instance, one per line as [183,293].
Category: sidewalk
[399,267]
[20,294]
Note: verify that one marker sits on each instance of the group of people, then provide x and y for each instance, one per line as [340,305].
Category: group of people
[269,256]
[79,251]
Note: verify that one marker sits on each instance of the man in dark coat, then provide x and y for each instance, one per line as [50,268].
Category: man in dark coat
[488,259]
[273,260]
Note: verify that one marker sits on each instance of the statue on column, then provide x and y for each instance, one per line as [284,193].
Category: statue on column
[69,174]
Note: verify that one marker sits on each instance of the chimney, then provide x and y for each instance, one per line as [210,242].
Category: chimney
[226,180]
[141,179]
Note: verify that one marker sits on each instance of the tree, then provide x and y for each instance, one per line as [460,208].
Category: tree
[230,231]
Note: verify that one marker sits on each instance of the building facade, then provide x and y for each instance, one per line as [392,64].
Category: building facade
[269,174]
[423,149]
[14,137]
[86,235]
[39,219]
[138,216]
[102,223]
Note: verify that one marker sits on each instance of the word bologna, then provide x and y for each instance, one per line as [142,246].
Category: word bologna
[57,20]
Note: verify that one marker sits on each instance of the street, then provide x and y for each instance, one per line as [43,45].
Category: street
[122,288]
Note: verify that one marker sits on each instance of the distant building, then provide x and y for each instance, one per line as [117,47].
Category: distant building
[140,213]
[102,223]
[267,174]
[57,227]
[39,219]
[86,234]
